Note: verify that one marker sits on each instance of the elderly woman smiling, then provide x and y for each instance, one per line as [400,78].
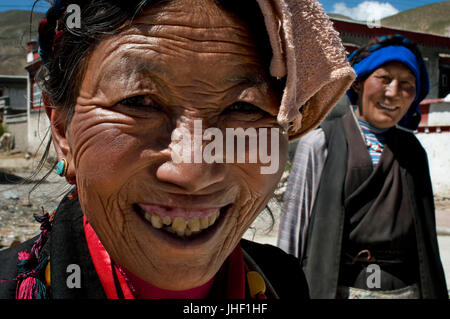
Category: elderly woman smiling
[120,92]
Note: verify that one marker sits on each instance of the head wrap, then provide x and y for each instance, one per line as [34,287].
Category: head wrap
[306,50]
[47,35]
[396,53]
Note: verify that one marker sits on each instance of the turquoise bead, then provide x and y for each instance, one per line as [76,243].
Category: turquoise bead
[60,168]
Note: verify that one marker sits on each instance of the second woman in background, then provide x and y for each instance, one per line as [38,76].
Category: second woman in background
[359,210]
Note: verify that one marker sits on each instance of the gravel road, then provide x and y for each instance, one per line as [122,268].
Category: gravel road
[17,205]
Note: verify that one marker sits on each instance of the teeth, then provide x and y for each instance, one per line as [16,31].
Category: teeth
[156,221]
[167,220]
[194,224]
[181,226]
[388,107]
[212,218]
[204,222]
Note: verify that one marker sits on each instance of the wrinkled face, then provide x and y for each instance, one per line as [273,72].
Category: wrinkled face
[171,223]
[386,95]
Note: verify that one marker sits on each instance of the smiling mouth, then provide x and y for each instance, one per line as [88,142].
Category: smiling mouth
[184,223]
[387,107]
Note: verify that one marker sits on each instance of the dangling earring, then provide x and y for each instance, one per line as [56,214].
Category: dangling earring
[61,167]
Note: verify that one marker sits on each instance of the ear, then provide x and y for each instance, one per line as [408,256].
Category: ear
[59,131]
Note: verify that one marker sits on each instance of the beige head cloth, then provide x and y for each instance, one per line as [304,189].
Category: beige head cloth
[307,50]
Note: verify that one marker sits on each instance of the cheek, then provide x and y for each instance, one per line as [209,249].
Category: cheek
[408,98]
[261,179]
[106,147]
[372,91]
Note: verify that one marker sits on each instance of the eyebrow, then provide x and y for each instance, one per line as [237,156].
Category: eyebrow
[144,67]
[410,75]
[254,79]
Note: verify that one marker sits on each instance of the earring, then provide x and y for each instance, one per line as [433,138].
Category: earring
[61,167]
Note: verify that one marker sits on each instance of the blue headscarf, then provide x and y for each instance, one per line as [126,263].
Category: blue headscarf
[396,53]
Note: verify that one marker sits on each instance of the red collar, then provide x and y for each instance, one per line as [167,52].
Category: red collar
[119,283]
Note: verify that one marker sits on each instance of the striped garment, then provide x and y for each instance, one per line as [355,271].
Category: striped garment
[375,140]
[298,200]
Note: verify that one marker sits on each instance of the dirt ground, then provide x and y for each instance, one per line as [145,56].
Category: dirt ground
[17,204]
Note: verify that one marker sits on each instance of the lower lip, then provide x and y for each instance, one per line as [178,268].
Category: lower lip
[194,240]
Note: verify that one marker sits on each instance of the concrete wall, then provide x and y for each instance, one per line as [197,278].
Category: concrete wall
[18,127]
[437,146]
[16,118]
[439,114]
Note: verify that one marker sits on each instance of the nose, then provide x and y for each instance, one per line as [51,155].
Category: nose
[191,177]
[187,168]
[392,88]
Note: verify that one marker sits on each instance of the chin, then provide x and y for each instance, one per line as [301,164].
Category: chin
[383,121]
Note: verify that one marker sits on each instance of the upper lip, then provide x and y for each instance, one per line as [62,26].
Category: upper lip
[389,106]
[190,202]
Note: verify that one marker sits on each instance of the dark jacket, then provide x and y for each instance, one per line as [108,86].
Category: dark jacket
[324,252]
[67,245]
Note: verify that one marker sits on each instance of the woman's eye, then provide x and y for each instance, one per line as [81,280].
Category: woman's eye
[408,85]
[385,79]
[139,101]
[243,107]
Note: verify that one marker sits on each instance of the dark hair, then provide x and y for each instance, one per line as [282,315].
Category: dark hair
[383,41]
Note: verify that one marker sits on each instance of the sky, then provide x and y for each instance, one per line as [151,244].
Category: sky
[371,10]
[356,9]
[6,5]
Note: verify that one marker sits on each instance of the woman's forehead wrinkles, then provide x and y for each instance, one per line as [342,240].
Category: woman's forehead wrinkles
[226,34]
[196,14]
[133,63]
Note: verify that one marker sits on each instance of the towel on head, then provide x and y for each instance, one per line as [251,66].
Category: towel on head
[308,51]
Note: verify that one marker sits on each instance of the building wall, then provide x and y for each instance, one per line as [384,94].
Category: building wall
[18,129]
[16,119]
[437,146]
